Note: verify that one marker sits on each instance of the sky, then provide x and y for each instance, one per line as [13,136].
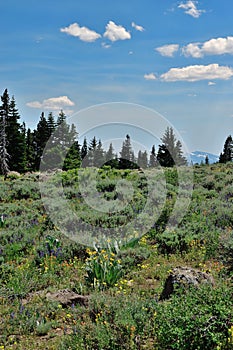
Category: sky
[174,57]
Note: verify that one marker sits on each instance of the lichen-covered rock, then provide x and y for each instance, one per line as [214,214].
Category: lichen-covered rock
[66,298]
[13,175]
[184,277]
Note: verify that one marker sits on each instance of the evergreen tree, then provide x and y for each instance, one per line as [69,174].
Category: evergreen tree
[227,154]
[4,156]
[111,158]
[63,149]
[139,160]
[99,155]
[66,134]
[41,136]
[153,160]
[207,160]
[30,151]
[127,159]
[73,157]
[91,151]
[51,124]
[170,152]
[16,136]
[84,151]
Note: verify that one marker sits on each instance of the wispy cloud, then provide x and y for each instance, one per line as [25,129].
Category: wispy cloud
[116,32]
[198,72]
[211,83]
[191,9]
[137,27]
[218,46]
[168,50]
[105,46]
[52,104]
[83,33]
[150,76]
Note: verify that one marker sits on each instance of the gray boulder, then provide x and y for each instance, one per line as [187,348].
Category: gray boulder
[184,277]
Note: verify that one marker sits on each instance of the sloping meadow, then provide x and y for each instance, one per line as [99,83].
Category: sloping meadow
[108,235]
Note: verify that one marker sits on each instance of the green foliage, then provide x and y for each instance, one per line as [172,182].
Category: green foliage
[103,268]
[200,319]
[123,283]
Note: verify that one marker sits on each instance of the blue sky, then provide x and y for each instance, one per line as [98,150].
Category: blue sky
[175,57]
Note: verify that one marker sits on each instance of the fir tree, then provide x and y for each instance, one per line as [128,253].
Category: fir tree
[30,151]
[111,158]
[84,151]
[16,137]
[170,152]
[153,160]
[227,154]
[41,136]
[127,159]
[51,124]
[73,157]
[4,156]
[63,151]
[99,155]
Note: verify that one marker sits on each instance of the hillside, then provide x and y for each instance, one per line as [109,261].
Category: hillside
[57,293]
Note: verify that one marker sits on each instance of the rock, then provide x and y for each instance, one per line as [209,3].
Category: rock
[13,175]
[184,277]
[66,298]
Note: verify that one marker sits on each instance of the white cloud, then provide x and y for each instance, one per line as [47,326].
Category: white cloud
[190,8]
[52,104]
[198,72]
[168,50]
[150,76]
[137,27]
[105,46]
[218,46]
[211,83]
[192,50]
[82,33]
[116,32]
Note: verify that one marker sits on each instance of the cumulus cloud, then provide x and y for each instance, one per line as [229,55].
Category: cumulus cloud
[83,33]
[198,72]
[52,104]
[168,50]
[116,32]
[150,76]
[191,9]
[137,27]
[218,46]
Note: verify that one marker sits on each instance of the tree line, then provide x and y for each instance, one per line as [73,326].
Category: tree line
[21,148]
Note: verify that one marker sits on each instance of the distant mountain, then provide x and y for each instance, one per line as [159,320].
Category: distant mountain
[198,157]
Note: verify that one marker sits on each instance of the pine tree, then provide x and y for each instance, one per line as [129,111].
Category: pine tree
[127,159]
[30,151]
[207,160]
[63,150]
[99,155]
[227,154]
[91,151]
[4,156]
[51,124]
[73,157]
[41,136]
[84,151]
[153,160]
[111,158]
[170,152]
[16,136]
